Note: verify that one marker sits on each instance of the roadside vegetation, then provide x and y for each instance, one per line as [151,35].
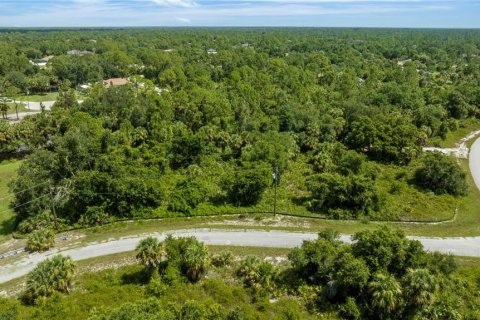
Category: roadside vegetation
[8,171]
[382,276]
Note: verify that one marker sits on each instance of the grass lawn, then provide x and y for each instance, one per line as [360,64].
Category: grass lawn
[21,108]
[465,127]
[7,173]
[51,96]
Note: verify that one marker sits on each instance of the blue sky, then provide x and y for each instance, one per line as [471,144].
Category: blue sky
[322,13]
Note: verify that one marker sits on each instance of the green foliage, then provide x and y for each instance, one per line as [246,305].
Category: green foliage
[94,216]
[441,175]
[187,195]
[333,192]
[187,255]
[50,276]
[388,249]
[385,293]
[150,252]
[223,259]
[8,309]
[369,97]
[41,240]
[248,184]
[257,274]
[381,275]
[349,310]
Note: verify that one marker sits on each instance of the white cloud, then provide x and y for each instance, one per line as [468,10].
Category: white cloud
[176,3]
[234,12]
[186,20]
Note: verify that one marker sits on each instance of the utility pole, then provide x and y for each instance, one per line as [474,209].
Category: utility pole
[275,178]
[52,200]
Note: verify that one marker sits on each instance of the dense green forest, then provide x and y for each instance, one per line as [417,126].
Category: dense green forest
[382,276]
[209,115]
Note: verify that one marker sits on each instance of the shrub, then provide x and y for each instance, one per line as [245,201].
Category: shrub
[349,310]
[41,240]
[187,256]
[186,197]
[248,184]
[222,259]
[94,216]
[257,274]
[441,174]
[50,276]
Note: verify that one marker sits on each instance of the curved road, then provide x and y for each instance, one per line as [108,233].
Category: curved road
[252,238]
[474,162]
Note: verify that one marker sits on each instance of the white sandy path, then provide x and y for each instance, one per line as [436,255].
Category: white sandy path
[247,238]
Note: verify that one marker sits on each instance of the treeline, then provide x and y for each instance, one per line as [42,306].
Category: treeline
[206,129]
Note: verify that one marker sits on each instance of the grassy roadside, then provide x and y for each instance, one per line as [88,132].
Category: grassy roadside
[465,127]
[7,173]
[114,261]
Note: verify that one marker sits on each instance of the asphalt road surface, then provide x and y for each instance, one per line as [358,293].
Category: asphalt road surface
[474,162]
[252,238]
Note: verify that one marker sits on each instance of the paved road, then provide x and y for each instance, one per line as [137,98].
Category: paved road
[12,117]
[277,239]
[35,106]
[474,162]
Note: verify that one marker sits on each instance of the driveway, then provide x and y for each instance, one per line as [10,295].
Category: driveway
[246,238]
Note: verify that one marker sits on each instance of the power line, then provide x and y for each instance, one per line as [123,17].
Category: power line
[23,204]
[21,191]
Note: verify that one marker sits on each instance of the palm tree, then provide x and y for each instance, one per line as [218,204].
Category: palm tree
[250,271]
[420,287]
[385,292]
[49,276]
[64,269]
[196,259]
[150,252]
[4,109]
[41,240]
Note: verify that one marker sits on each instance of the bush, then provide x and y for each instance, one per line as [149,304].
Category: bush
[349,310]
[338,194]
[186,197]
[50,276]
[41,240]
[441,174]
[186,255]
[94,216]
[257,274]
[222,259]
[248,184]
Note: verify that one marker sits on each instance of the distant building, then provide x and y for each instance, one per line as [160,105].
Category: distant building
[84,87]
[115,82]
[402,62]
[247,46]
[212,51]
[78,53]
[42,63]
[168,50]
[46,59]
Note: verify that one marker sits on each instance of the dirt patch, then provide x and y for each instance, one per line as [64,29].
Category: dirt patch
[279,221]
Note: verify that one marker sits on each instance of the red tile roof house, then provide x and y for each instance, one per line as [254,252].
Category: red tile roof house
[115,82]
